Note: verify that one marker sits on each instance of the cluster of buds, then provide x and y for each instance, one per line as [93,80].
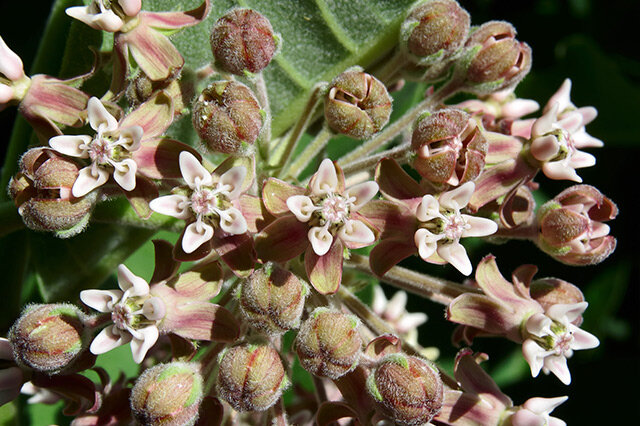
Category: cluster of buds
[254,286]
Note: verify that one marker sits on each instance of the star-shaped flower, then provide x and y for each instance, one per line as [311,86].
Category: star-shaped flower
[107,17]
[134,312]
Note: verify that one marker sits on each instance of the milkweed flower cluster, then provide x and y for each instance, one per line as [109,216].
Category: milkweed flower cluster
[273,239]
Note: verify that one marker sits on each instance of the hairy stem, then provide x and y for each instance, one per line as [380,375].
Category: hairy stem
[401,152]
[263,100]
[309,153]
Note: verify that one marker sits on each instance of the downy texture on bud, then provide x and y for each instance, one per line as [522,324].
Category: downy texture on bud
[449,147]
[243,40]
[42,192]
[407,389]
[357,104]
[48,338]
[434,29]
[328,343]
[272,299]
[227,116]
[251,377]
[168,395]
[499,60]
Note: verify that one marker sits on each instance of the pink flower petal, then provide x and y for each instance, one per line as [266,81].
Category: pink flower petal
[566,312]
[570,121]
[125,174]
[101,300]
[130,138]
[320,239]
[325,272]
[561,97]
[457,198]
[582,139]
[130,7]
[139,346]
[558,170]
[524,417]
[195,236]
[429,208]
[275,194]
[232,179]
[193,172]
[283,239]
[533,354]
[301,206]
[357,233]
[154,309]
[87,182]
[10,63]
[108,339]
[545,148]
[480,226]
[100,119]
[73,145]
[232,221]
[130,283]
[545,123]
[325,180]
[581,159]
[411,321]
[396,306]
[539,325]
[426,242]
[363,193]
[455,254]
[153,52]
[557,364]
[582,339]
[175,205]
[6,94]
[544,405]
[153,116]
[519,108]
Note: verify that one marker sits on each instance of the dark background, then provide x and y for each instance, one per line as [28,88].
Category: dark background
[595,43]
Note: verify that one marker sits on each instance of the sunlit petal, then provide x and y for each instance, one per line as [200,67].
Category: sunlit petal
[192,171]
[232,180]
[108,339]
[232,221]
[175,205]
[320,239]
[101,300]
[301,206]
[325,180]
[87,181]
[100,119]
[195,236]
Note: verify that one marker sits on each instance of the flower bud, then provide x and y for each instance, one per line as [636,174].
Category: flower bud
[553,291]
[49,338]
[449,147]
[251,377]
[499,60]
[272,299]
[243,40]
[42,193]
[357,104]
[168,395]
[434,29]
[571,228]
[407,389]
[328,343]
[227,116]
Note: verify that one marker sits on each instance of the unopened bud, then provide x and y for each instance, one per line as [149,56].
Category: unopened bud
[499,60]
[272,299]
[449,147]
[553,291]
[42,193]
[251,377]
[243,40]
[48,338]
[328,343]
[571,228]
[168,395]
[407,389]
[434,30]
[357,104]
[227,116]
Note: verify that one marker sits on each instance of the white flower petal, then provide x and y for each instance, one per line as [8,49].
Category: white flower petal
[426,242]
[571,121]
[582,139]
[301,206]
[232,180]
[130,283]
[363,193]
[100,119]
[6,94]
[130,7]
[101,300]
[10,63]
[455,254]
[561,97]
[545,123]
[524,417]
[108,339]
[232,221]
[457,198]
[539,325]
[411,321]
[479,226]
[519,108]
[175,205]
[379,302]
[429,208]
[320,239]
[72,145]
[558,170]
[557,364]
[582,339]
[195,236]
[139,347]
[355,231]
[131,137]
[544,148]
[581,159]
[533,354]
[544,405]
[566,312]
[154,309]
[396,306]
[125,174]
[325,180]
[192,171]
[87,182]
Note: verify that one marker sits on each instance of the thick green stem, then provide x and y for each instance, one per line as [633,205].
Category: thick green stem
[432,288]
[263,100]
[309,153]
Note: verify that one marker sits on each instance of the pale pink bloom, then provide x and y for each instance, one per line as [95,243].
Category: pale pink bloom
[134,312]
[109,151]
[209,201]
[101,16]
[11,72]
[557,136]
[552,338]
[395,313]
[442,225]
[328,209]
[535,412]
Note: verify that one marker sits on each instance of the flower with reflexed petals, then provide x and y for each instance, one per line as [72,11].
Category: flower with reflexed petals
[109,150]
[325,216]
[395,313]
[12,77]
[535,411]
[442,225]
[552,339]
[107,16]
[134,312]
